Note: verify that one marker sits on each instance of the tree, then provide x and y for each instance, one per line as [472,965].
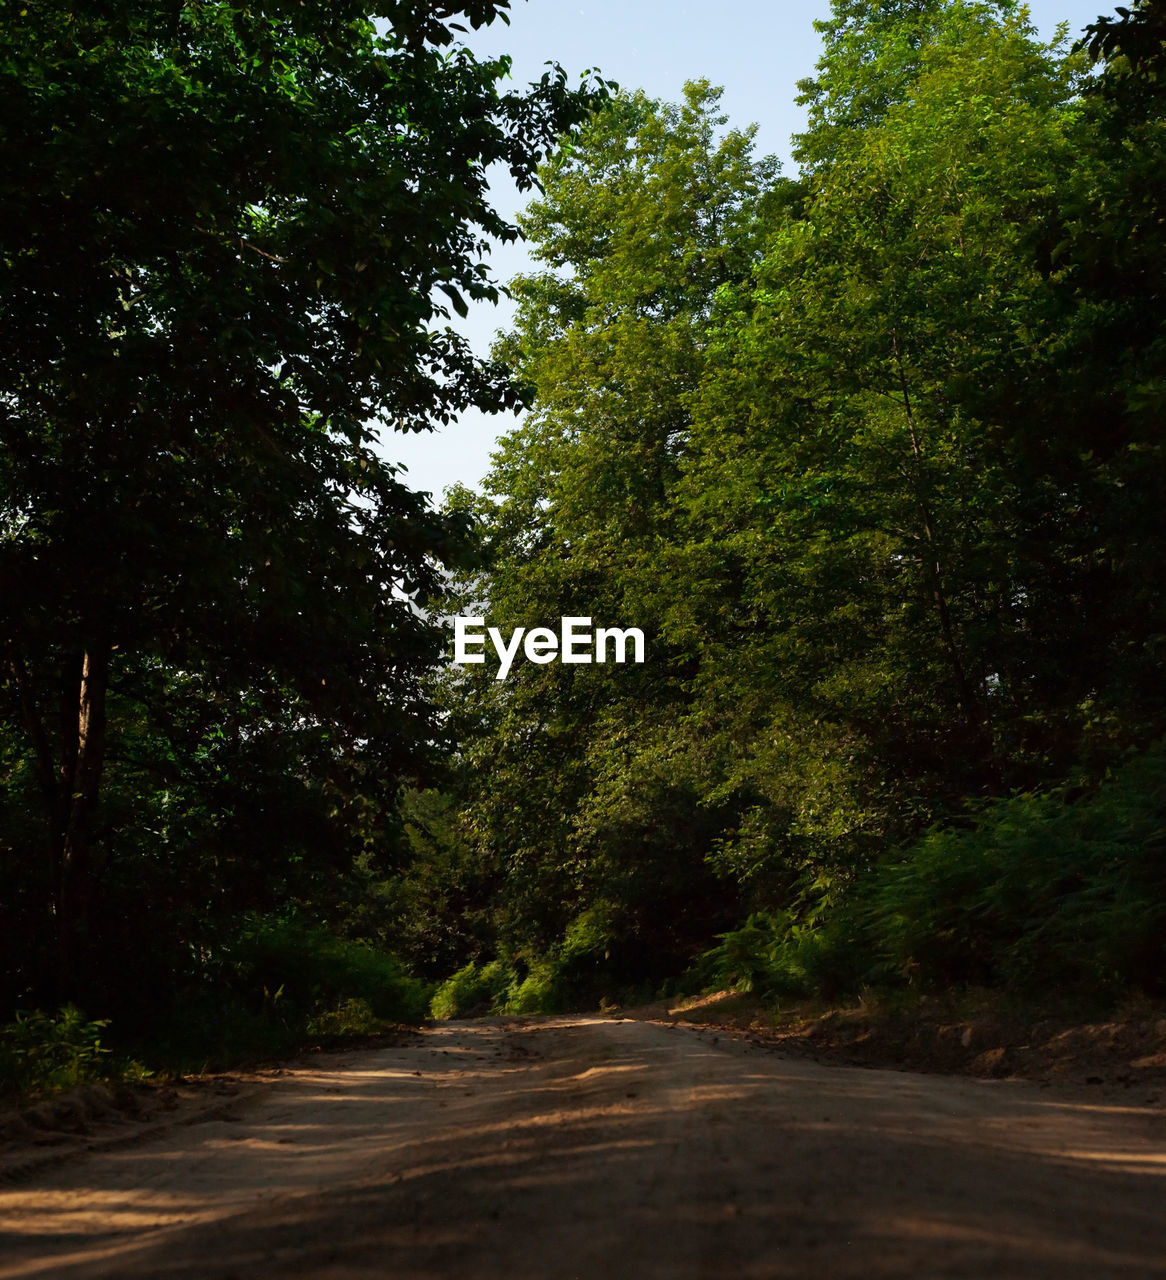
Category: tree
[872,53]
[818,477]
[866,452]
[875,458]
[1108,404]
[1137,37]
[228,236]
[586,799]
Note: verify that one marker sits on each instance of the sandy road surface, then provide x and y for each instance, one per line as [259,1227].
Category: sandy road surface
[596,1148]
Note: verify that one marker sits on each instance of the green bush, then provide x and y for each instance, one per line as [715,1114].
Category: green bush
[461,994]
[746,958]
[307,971]
[352,1017]
[277,986]
[1062,890]
[1043,889]
[574,973]
[217,1029]
[43,1053]
[775,956]
[474,989]
[538,992]
[542,985]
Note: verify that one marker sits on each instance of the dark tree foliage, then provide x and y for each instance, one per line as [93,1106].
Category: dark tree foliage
[1136,35]
[228,236]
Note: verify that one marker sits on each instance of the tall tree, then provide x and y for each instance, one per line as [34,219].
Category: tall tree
[872,53]
[228,236]
[862,450]
[844,521]
[644,219]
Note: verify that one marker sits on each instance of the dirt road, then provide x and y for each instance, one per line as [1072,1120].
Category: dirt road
[603,1150]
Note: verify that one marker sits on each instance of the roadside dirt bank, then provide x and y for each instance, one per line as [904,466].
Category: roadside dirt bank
[1126,1051]
[37,1135]
[603,1147]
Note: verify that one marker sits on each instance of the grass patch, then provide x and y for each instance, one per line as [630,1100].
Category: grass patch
[42,1054]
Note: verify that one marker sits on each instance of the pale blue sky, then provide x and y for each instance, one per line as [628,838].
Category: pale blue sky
[756,49]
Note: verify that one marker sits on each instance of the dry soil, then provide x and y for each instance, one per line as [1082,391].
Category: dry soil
[599,1149]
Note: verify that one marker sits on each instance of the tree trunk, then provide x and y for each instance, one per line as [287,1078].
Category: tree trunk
[82,764]
[933,567]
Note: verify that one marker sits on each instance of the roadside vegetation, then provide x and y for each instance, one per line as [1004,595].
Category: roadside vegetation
[871,451]
[874,453]
[232,237]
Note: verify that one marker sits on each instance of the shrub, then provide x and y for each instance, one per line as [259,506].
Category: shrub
[43,1053]
[276,986]
[573,973]
[774,955]
[308,971]
[474,989]
[538,992]
[351,1017]
[1064,889]
[1041,890]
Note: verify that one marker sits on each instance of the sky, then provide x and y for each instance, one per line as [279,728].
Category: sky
[757,50]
